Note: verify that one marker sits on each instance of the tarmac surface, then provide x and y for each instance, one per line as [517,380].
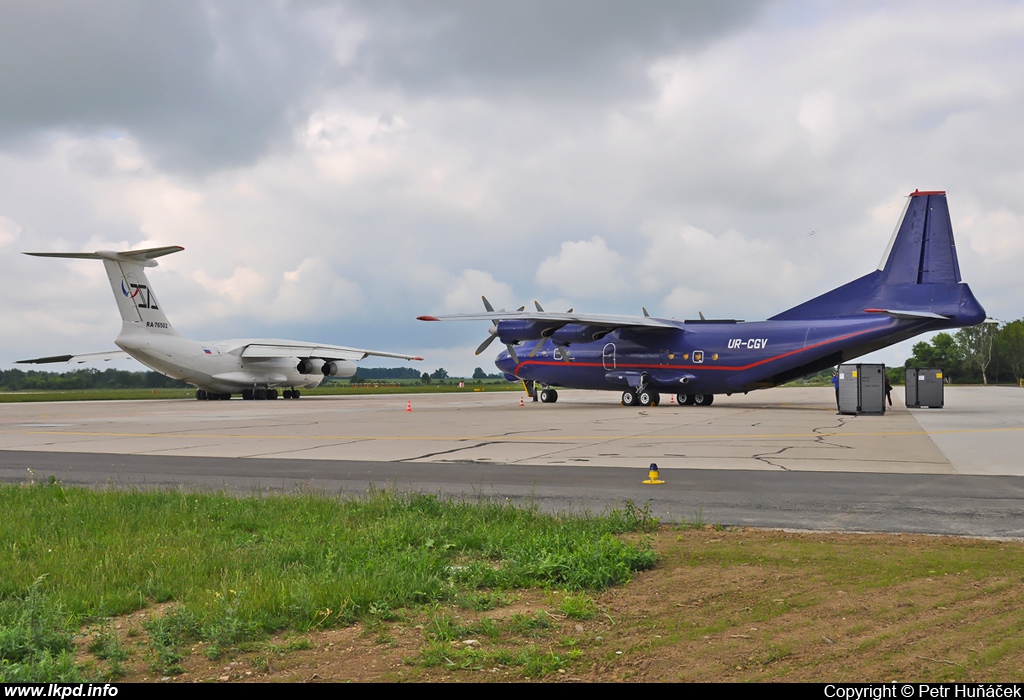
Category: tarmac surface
[776,458]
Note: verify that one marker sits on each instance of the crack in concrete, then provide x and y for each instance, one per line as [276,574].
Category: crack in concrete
[821,439]
[474,446]
[302,449]
[818,440]
[763,457]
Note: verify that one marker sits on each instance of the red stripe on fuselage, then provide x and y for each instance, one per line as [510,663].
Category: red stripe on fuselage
[563,363]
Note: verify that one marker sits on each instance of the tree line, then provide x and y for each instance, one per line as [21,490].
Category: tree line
[364,373]
[34,380]
[991,352]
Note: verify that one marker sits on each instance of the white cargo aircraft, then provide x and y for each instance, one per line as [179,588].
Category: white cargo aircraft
[218,369]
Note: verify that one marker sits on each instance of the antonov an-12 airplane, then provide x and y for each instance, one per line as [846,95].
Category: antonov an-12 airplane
[915,289]
[254,368]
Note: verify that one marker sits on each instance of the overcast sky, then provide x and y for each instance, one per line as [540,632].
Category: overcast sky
[334,169]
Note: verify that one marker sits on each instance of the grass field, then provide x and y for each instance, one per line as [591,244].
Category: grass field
[197,586]
[239,569]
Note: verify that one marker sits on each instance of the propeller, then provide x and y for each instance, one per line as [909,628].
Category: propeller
[493,333]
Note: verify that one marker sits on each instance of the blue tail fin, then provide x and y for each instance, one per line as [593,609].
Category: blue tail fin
[918,278]
[922,250]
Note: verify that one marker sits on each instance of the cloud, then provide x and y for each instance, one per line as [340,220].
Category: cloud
[569,50]
[336,169]
[587,270]
[9,231]
[204,85]
[464,292]
[314,290]
[201,85]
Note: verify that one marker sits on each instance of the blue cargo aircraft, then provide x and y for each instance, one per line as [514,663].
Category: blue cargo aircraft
[916,289]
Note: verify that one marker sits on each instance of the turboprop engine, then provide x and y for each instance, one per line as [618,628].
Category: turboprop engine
[576,333]
[516,331]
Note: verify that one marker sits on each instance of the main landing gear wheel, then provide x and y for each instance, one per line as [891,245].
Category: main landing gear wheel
[684,399]
[548,396]
[646,397]
[703,399]
[629,398]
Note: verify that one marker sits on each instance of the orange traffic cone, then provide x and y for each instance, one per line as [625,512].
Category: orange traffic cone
[408,406]
[521,401]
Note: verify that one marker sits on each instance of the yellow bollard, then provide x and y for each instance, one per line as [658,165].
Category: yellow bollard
[652,475]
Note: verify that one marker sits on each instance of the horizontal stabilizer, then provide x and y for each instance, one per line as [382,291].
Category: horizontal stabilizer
[142,257]
[80,359]
[912,315]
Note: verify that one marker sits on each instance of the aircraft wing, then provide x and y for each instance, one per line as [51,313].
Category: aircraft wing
[259,349]
[79,359]
[605,320]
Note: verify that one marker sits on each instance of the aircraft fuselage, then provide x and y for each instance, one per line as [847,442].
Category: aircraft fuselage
[219,366]
[707,357]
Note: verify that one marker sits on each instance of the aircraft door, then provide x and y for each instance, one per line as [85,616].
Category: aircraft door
[608,356]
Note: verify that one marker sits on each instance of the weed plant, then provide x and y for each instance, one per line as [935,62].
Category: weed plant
[36,638]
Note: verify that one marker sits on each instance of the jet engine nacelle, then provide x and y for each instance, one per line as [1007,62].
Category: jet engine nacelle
[511,332]
[339,368]
[575,333]
[309,365]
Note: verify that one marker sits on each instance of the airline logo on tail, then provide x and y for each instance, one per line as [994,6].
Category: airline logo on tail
[131,288]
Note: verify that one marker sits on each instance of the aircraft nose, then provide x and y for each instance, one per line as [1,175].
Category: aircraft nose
[505,364]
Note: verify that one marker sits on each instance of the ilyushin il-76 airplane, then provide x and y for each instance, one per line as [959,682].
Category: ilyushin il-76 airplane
[218,369]
[915,289]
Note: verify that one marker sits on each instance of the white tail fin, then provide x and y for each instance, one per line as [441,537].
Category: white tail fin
[140,311]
